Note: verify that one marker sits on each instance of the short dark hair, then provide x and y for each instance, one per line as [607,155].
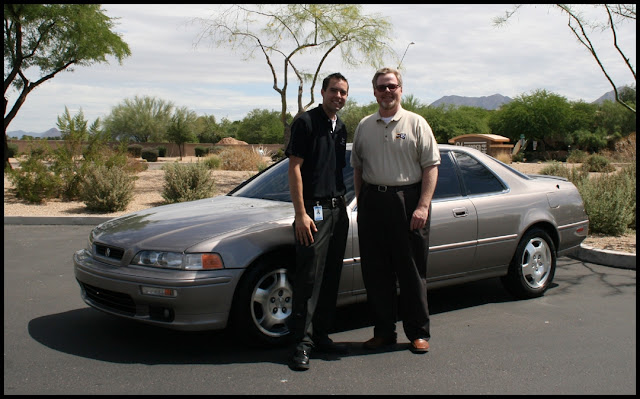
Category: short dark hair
[337,75]
[384,71]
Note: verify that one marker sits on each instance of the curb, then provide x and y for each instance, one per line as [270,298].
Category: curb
[584,253]
[621,260]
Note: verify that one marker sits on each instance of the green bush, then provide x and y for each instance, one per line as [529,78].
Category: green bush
[597,163]
[610,201]
[13,150]
[150,154]
[162,151]
[201,151]
[135,150]
[555,168]
[278,155]
[577,156]
[187,182]
[70,173]
[519,157]
[212,162]
[33,181]
[106,189]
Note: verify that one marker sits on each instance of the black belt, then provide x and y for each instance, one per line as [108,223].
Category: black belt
[394,189]
[327,202]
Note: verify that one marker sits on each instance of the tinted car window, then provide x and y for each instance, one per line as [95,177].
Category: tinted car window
[448,185]
[273,183]
[477,178]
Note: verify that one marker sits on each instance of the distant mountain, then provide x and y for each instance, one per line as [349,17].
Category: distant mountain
[611,96]
[487,102]
[491,102]
[53,132]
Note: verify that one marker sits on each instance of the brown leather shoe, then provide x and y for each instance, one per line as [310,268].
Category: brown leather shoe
[420,345]
[378,342]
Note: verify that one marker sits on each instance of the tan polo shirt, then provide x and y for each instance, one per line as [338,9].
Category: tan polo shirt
[394,154]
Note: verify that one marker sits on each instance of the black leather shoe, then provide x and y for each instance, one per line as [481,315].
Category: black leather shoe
[328,346]
[300,360]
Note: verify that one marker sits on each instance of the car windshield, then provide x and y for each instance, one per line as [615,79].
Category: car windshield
[273,183]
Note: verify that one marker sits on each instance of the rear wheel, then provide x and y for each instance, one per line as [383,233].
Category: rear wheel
[533,266]
[263,303]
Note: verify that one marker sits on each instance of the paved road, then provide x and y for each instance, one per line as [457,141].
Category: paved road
[580,338]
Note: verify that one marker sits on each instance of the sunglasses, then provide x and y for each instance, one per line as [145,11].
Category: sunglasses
[392,87]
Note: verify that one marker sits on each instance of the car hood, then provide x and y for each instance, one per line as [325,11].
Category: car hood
[177,227]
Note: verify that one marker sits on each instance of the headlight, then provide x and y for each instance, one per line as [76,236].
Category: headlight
[176,260]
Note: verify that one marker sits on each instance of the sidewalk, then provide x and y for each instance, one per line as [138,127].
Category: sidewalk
[583,253]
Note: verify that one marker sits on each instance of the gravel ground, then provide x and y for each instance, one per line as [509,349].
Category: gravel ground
[148,188]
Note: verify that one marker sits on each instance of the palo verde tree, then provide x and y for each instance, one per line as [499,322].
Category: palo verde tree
[45,39]
[181,128]
[140,119]
[582,27]
[288,35]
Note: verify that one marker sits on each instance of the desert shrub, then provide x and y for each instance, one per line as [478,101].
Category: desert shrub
[33,181]
[12,150]
[187,182]
[70,171]
[239,158]
[627,177]
[577,156]
[212,161]
[107,189]
[201,151]
[597,163]
[277,155]
[609,200]
[262,166]
[150,154]
[624,150]
[555,168]
[135,150]
[162,151]
[519,157]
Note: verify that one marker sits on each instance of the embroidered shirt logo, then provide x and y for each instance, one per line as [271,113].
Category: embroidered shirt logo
[402,136]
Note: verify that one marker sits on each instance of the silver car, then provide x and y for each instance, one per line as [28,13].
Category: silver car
[228,260]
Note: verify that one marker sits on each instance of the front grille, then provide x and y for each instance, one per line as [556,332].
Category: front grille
[109,252]
[110,300]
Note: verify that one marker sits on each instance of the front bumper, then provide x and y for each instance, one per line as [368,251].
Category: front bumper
[202,300]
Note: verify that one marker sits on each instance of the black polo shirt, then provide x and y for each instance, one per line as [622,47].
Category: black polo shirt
[323,150]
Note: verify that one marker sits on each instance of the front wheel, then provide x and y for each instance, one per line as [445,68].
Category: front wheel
[533,266]
[263,303]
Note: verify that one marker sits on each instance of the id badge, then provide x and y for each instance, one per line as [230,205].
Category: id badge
[317,213]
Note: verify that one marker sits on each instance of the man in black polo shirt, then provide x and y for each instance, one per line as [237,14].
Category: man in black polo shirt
[316,154]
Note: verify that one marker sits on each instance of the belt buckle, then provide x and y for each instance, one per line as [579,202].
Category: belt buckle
[382,189]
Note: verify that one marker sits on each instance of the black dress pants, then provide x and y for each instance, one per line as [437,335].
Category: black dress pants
[317,277]
[391,253]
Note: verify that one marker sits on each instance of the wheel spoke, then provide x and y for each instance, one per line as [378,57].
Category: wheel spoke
[536,263]
[271,303]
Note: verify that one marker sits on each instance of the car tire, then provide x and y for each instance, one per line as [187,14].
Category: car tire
[533,266]
[262,303]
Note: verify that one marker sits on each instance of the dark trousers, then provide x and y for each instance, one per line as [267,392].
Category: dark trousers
[317,277]
[390,252]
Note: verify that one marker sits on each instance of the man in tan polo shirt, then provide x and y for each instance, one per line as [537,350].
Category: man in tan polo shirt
[395,159]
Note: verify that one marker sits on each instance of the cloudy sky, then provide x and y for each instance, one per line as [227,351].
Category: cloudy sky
[456,51]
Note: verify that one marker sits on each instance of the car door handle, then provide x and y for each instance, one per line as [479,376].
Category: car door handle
[460,212]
